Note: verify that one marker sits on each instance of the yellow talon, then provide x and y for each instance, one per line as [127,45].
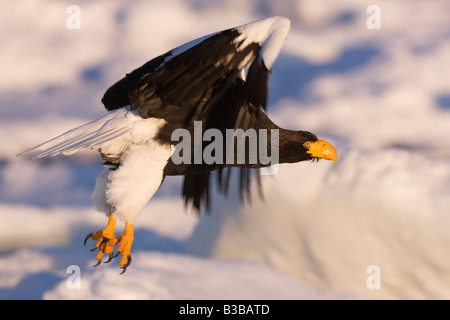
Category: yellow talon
[107,233]
[104,238]
[106,242]
[125,241]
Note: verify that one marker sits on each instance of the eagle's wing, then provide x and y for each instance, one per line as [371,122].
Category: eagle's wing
[221,79]
[88,136]
[186,83]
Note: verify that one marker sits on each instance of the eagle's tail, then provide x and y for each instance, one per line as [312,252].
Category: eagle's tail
[88,136]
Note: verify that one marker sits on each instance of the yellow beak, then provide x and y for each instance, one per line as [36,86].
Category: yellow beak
[321,149]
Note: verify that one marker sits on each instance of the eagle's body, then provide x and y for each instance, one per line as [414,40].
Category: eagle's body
[220,80]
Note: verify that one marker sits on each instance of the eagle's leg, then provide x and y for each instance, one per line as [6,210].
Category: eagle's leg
[125,240]
[105,238]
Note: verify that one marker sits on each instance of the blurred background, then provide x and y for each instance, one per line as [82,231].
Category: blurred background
[380,96]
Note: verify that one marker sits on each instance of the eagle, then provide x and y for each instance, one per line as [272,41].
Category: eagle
[217,84]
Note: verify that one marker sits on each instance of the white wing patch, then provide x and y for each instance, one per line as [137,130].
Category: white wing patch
[270,33]
[103,132]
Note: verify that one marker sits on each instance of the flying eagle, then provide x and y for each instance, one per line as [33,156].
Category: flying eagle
[219,81]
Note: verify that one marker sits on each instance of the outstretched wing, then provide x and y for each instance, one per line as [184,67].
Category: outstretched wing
[220,79]
[186,83]
[88,136]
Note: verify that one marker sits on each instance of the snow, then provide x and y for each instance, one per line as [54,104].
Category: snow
[175,276]
[329,227]
[381,97]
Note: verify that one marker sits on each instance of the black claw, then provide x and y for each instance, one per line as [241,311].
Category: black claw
[98,262]
[117,253]
[126,266]
[93,249]
[110,258]
[87,238]
[105,240]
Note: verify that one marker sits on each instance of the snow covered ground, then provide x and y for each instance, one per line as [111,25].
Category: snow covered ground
[382,97]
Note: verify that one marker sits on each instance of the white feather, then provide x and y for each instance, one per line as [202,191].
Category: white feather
[99,199]
[87,136]
[139,176]
[121,133]
[270,33]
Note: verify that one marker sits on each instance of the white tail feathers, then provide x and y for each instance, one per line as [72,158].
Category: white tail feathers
[88,136]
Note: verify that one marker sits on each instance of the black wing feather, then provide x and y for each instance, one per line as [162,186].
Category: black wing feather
[117,96]
[240,108]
